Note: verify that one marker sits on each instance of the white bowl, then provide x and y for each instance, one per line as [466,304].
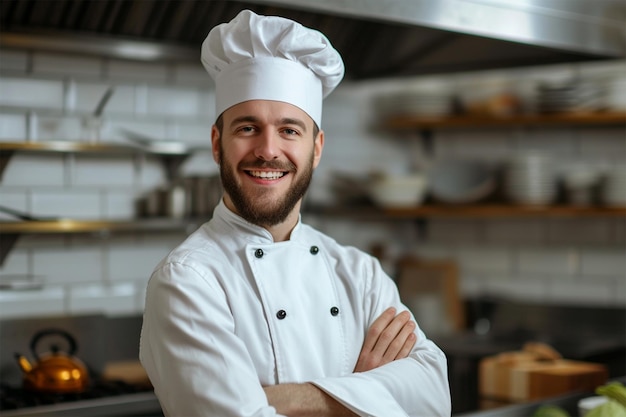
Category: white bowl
[461,181]
[398,191]
[587,404]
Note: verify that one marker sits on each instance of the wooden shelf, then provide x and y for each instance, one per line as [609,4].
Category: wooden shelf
[475,211]
[402,122]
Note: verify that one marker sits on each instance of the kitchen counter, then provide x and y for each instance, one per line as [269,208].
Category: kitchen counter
[568,402]
[591,334]
[130,405]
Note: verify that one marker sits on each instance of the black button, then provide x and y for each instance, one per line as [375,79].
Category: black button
[281,314]
[258,253]
[314,250]
[334,311]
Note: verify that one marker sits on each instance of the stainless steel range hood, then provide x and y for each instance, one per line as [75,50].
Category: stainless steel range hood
[377,38]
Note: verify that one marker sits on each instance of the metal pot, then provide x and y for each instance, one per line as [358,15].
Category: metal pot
[54,371]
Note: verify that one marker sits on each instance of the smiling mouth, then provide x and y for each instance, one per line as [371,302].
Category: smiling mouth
[267,175]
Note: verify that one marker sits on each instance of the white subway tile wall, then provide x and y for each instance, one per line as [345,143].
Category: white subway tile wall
[113,300]
[14,60]
[47,96]
[46,302]
[12,126]
[31,170]
[31,93]
[59,64]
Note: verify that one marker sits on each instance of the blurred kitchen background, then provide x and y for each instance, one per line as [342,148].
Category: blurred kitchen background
[503,125]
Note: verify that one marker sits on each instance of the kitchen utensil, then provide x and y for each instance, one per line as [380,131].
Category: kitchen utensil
[461,181]
[155,145]
[427,103]
[587,404]
[54,371]
[573,95]
[615,186]
[93,122]
[203,193]
[530,179]
[349,188]
[21,282]
[580,183]
[176,201]
[103,102]
[398,191]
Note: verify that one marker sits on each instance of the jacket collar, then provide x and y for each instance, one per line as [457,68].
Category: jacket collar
[250,231]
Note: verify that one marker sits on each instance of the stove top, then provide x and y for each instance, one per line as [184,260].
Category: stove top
[103,398]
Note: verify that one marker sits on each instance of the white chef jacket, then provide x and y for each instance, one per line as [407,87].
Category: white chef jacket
[230,311]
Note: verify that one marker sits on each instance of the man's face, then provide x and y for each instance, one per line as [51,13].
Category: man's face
[267,152]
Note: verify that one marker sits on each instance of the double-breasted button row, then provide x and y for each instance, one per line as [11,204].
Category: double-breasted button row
[281,314]
[259,252]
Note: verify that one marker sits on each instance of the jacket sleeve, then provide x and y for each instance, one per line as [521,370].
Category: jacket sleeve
[198,367]
[413,386]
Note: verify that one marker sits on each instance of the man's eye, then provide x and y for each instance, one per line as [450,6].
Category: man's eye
[246,129]
[290,131]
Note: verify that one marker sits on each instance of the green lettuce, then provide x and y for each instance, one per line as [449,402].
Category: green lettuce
[610,408]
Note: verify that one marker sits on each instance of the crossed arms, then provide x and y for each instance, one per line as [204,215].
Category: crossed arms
[389,338]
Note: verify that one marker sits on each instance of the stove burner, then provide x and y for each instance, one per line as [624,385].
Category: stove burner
[12,398]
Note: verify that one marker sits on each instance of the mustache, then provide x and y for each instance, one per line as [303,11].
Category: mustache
[260,164]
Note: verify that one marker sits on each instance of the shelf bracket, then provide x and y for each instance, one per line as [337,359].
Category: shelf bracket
[5,157]
[428,141]
[421,225]
[7,241]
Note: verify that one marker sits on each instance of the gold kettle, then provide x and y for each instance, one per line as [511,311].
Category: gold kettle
[54,371]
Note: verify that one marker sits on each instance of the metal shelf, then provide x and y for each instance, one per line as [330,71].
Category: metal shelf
[95,226]
[171,156]
[10,231]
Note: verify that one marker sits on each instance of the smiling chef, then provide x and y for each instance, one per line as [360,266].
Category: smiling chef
[256,313]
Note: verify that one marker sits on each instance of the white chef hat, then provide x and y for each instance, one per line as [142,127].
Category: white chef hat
[271,58]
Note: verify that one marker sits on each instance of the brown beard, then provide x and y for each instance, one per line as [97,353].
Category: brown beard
[251,207]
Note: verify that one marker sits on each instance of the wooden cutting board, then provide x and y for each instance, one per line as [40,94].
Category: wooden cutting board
[523,376]
[129,371]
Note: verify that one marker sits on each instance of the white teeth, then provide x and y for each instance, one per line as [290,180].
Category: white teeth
[272,175]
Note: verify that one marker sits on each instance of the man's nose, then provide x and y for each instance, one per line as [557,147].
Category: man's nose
[267,146]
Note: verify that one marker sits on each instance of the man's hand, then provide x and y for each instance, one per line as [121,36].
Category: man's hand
[304,400]
[389,338]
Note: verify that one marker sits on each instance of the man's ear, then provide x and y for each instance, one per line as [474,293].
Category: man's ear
[318,147]
[215,144]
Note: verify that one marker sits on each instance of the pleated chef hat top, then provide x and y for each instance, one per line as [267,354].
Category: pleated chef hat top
[256,57]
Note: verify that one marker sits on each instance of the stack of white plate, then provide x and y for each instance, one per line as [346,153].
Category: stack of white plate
[530,179]
[615,190]
[573,96]
[414,103]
